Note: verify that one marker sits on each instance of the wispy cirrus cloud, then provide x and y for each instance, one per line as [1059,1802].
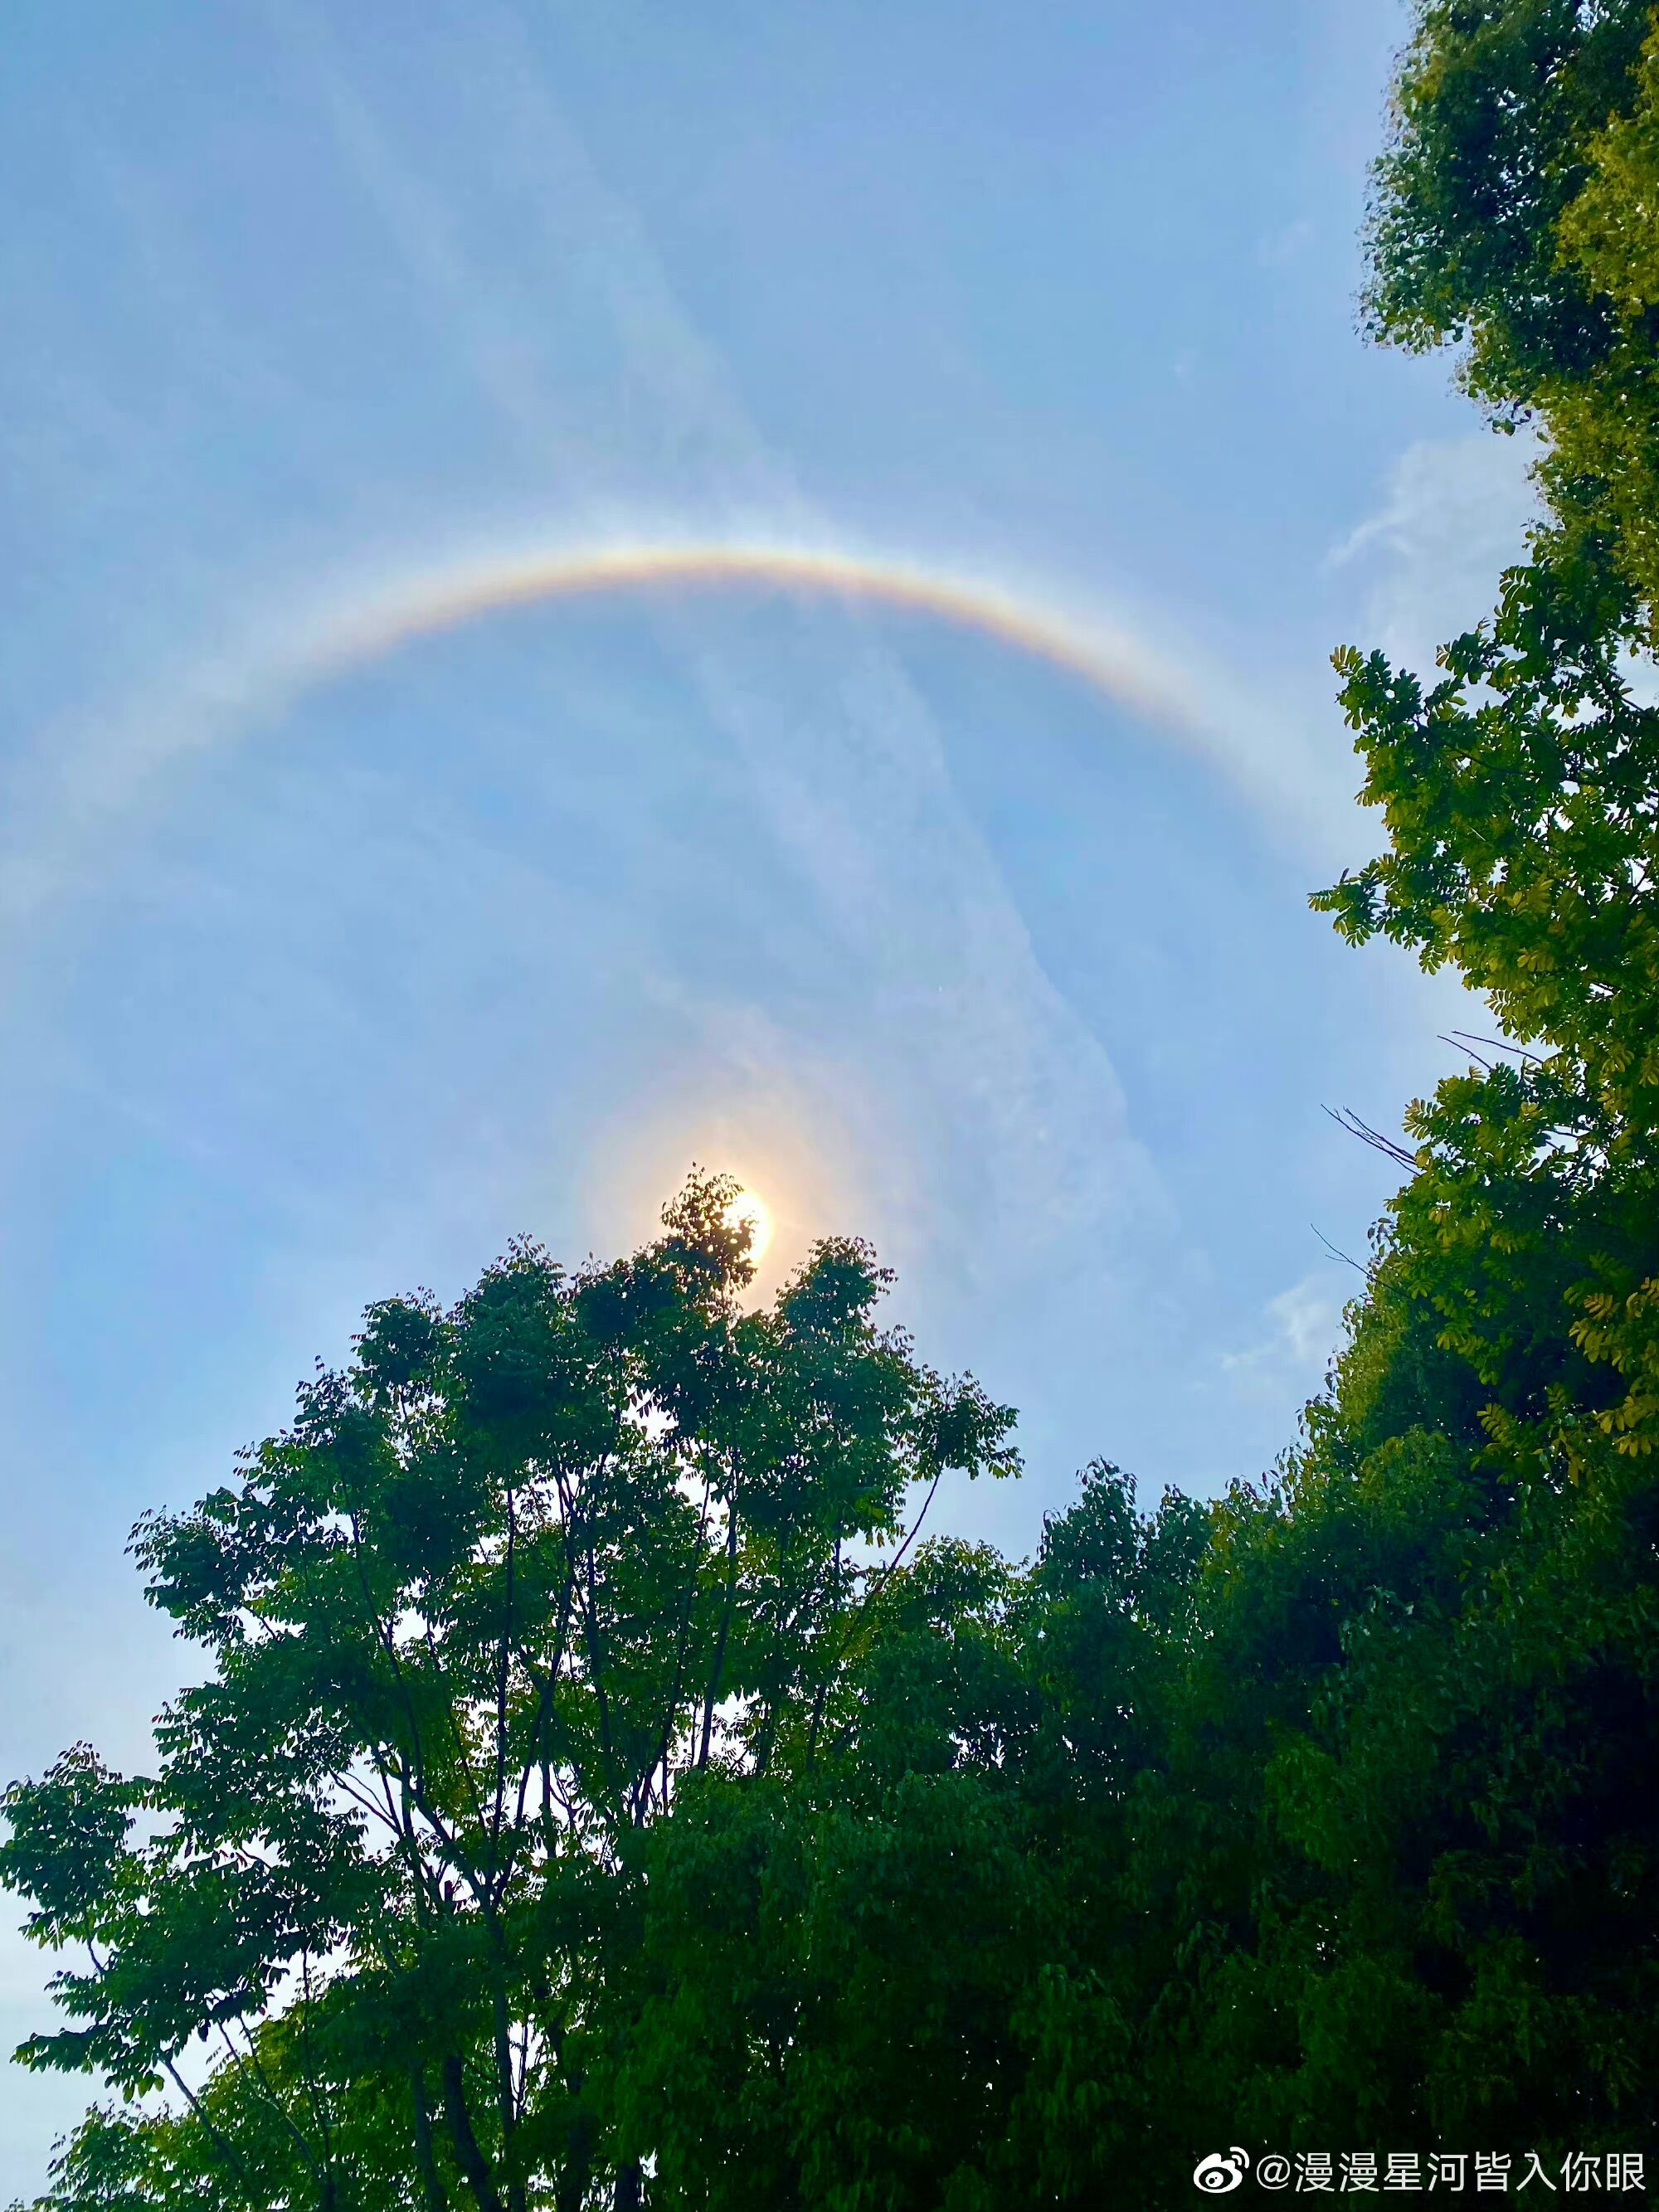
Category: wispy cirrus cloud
[1454,515]
[1302,1325]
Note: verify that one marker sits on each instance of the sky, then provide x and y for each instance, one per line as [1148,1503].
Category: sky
[323,972]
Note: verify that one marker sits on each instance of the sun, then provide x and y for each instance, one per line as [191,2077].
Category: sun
[744,1207]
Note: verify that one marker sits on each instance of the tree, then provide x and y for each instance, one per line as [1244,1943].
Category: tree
[513,1580]
[907,1979]
[1458,1878]
[1522,799]
[1515,212]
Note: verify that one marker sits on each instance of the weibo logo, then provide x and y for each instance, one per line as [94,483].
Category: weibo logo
[1221,2171]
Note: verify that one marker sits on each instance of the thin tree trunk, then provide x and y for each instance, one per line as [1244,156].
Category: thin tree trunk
[437,2197]
[468,2155]
[515,2196]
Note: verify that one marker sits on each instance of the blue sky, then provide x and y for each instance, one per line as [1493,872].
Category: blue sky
[315,990]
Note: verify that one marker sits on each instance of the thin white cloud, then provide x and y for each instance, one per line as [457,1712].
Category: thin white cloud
[1301,1327]
[1454,515]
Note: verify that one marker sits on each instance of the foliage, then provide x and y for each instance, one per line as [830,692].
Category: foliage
[1494,108]
[508,1584]
[1516,211]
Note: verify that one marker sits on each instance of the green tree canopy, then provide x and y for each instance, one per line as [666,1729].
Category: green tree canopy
[1516,211]
[511,1580]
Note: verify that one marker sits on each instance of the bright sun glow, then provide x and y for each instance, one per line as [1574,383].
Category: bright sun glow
[746,1207]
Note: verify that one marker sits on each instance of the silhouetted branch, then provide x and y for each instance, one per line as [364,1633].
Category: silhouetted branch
[1498,1044]
[1348,1120]
[1336,1251]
